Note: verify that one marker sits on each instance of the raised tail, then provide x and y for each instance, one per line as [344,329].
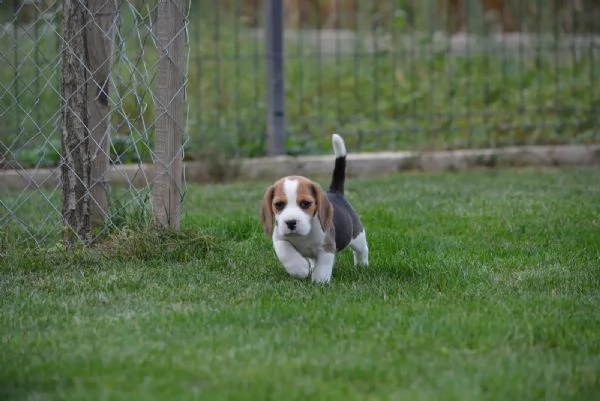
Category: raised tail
[339,170]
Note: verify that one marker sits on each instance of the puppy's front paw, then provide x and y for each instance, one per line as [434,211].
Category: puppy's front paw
[323,268]
[317,278]
[299,268]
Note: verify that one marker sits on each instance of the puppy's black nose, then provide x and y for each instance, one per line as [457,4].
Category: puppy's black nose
[291,224]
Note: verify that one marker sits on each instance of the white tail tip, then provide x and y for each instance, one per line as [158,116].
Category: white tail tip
[339,147]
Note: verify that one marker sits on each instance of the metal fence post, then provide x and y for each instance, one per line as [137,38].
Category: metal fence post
[275,77]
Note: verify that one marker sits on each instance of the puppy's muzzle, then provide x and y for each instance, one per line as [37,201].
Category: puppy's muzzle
[291,224]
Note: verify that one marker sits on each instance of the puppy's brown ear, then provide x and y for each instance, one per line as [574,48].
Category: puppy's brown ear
[266,213]
[324,208]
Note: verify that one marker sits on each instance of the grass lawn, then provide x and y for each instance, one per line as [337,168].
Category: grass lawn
[482,286]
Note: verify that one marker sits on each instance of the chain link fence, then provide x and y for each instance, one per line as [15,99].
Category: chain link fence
[397,74]
[108,92]
[389,75]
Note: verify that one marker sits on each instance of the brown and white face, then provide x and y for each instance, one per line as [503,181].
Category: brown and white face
[296,203]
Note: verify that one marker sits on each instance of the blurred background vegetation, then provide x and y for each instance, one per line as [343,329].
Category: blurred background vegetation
[389,75]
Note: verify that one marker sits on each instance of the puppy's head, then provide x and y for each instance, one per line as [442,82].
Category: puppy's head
[296,203]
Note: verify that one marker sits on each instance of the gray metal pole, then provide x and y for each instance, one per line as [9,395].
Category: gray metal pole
[275,77]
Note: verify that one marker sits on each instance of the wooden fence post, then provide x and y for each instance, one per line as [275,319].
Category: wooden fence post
[75,166]
[101,32]
[170,101]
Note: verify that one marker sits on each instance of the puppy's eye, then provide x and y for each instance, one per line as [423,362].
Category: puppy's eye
[305,204]
[279,205]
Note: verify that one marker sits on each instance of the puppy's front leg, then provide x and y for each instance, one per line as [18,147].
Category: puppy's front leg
[323,267]
[295,264]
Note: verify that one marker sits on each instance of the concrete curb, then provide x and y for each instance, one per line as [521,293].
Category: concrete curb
[359,165]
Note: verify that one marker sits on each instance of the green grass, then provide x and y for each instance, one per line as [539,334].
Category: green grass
[482,286]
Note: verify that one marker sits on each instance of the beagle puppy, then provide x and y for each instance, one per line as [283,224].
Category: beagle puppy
[312,225]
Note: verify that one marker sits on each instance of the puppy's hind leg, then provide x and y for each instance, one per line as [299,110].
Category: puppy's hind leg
[360,249]
[295,264]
